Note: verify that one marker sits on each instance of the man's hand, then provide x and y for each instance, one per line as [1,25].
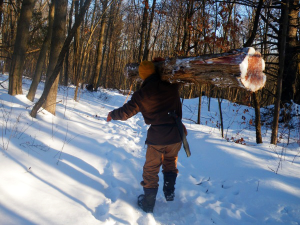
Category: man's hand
[109,117]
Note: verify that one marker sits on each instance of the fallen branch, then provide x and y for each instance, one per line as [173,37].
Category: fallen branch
[240,68]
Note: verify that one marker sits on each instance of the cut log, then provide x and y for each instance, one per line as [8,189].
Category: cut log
[239,68]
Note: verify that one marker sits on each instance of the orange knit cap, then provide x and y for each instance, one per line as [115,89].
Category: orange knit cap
[146,69]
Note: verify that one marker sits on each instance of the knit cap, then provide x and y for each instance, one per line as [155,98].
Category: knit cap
[146,69]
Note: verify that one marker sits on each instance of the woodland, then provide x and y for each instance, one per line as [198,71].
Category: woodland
[88,43]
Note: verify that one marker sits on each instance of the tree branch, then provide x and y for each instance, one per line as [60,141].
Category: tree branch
[255,26]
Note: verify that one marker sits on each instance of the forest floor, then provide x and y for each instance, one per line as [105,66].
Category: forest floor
[75,168]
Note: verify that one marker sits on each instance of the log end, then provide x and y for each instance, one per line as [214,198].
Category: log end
[252,67]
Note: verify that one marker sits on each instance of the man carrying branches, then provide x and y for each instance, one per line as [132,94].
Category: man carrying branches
[155,100]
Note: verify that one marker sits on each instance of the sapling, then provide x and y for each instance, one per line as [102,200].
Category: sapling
[62,148]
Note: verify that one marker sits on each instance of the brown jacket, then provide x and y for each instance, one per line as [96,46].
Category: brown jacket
[154,100]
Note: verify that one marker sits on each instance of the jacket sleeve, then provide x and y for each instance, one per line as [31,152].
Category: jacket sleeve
[127,110]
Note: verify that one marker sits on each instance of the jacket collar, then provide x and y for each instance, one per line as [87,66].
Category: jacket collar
[151,78]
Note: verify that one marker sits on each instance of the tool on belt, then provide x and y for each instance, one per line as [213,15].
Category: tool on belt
[181,132]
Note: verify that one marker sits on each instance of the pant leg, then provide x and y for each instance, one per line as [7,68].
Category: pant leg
[154,158]
[170,158]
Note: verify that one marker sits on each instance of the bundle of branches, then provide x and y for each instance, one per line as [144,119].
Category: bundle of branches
[239,68]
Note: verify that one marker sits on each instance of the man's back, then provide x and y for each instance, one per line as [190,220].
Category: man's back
[156,99]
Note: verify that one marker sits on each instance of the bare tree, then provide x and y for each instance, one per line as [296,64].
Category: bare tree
[57,40]
[291,73]
[143,29]
[18,58]
[65,79]
[42,55]
[105,47]
[76,51]
[147,40]
[254,94]
[282,46]
[60,60]
[1,11]
[100,44]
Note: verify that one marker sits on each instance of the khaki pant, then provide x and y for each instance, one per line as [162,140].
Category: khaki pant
[157,155]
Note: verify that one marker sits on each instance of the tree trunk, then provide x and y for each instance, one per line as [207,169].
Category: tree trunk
[76,52]
[143,29]
[18,58]
[221,116]
[42,56]
[84,67]
[104,51]
[255,98]
[66,70]
[60,60]
[199,105]
[147,40]
[99,47]
[110,75]
[257,118]
[57,41]
[240,68]
[290,83]
[187,25]
[65,79]
[1,11]
[282,48]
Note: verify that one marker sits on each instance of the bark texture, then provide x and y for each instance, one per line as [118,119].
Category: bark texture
[42,56]
[57,42]
[257,118]
[18,58]
[291,75]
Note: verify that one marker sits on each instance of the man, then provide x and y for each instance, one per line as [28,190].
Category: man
[155,100]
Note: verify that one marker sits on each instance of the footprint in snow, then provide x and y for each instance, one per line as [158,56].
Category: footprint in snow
[236,192]
[102,211]
[112,192]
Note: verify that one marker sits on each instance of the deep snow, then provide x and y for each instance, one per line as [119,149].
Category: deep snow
[75,168]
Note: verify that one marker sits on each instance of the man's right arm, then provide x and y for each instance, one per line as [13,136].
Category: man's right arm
[128,110]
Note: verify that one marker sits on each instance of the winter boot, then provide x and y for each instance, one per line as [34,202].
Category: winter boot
[169,185]
[147,201]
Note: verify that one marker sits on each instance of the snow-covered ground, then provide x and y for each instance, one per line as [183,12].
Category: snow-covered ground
[75,168]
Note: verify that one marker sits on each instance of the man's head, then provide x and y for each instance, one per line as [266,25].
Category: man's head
[146,69]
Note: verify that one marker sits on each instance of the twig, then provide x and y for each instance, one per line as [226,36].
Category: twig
[63,144]
[49,105]
[190,120]
[3,82]
[66,102]
[297,155]
[271,169]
